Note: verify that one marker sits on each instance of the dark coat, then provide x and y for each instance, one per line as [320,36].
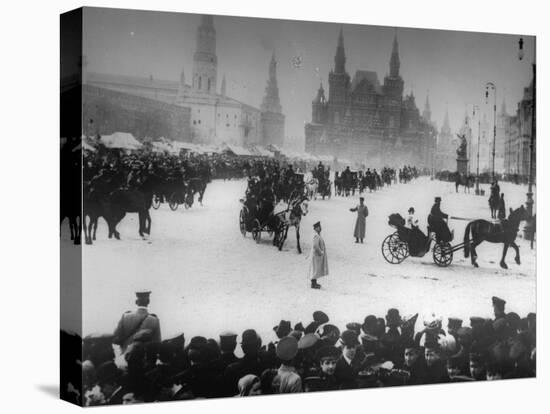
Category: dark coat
[501,209]
[346,374]
[235,371]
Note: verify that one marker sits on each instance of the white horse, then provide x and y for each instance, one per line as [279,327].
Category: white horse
[292,217]
[312,186]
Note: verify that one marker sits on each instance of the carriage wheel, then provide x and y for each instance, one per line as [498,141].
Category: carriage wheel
[173,202]
[443,254]
[156,202]
[257,231]
[394,249]
[242,222]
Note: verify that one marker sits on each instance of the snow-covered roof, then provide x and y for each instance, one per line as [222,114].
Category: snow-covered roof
[260,151]
[122,140]
[237,150]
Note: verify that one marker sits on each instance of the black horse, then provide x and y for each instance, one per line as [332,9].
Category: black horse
[504,232]
[196,185]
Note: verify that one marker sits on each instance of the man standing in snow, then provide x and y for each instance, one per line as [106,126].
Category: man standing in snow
[362,213]
[318,264]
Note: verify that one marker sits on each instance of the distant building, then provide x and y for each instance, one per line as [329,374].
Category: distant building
[367,122]
[518,138]
[215,118]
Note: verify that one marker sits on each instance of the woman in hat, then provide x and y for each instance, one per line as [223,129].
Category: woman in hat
[412,221]
[362,213]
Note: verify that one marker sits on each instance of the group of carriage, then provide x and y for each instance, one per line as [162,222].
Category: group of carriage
[178,192]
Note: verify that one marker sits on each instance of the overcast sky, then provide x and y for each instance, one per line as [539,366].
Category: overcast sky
[452,67]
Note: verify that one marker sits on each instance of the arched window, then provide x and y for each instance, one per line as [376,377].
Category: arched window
[209,83]
[200,82]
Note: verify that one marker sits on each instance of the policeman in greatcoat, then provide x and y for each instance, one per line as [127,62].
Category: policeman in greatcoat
[135,321]
[318,265]
[362,213]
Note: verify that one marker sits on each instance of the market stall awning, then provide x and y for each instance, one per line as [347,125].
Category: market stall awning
[237,150]
[122,140]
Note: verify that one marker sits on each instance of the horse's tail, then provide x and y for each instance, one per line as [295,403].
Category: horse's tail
[467,240]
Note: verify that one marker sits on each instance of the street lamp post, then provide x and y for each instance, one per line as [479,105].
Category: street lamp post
[491,85]
[478,143]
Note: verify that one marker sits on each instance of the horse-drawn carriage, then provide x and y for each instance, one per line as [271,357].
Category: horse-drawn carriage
[405,242]
[177,192]
[257,218]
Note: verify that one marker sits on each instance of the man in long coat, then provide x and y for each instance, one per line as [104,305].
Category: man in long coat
[318,265]
[133,322]
[362,213]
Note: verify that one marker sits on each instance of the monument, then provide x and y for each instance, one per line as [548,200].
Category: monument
[462,157]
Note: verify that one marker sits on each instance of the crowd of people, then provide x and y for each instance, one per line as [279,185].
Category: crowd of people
[315,356]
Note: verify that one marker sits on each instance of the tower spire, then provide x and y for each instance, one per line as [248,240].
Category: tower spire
[205,61]
[394,60]
[223,86]
[340,57]
[271,101]
[427,113]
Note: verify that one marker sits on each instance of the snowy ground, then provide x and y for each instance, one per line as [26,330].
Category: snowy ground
[205,277]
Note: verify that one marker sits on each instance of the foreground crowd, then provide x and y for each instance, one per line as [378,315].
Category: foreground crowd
[316,357]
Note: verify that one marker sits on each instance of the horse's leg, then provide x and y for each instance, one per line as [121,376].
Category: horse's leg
[298,238]
[72,227]
[148,221]
[96,218]
[504,251]
[115,223]
[87,240]
[516,248]
[141,220]
[473,252]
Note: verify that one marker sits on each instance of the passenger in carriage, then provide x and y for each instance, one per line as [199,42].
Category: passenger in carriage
[412,221]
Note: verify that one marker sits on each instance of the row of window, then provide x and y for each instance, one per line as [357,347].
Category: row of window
[196,122]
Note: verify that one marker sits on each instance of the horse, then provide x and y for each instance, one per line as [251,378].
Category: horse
[123,201]
[504,232]
[312,186]
[195,185]
[465,181]
[71,210]
[297,207]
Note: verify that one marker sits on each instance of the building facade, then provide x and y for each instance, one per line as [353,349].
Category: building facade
[366,122]
[106,111]
[518,138]
[215,118]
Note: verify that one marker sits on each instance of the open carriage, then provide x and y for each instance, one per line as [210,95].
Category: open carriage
[405,242]
[253,220]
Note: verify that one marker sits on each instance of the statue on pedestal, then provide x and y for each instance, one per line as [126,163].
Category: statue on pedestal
[462,156]
[462,150]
